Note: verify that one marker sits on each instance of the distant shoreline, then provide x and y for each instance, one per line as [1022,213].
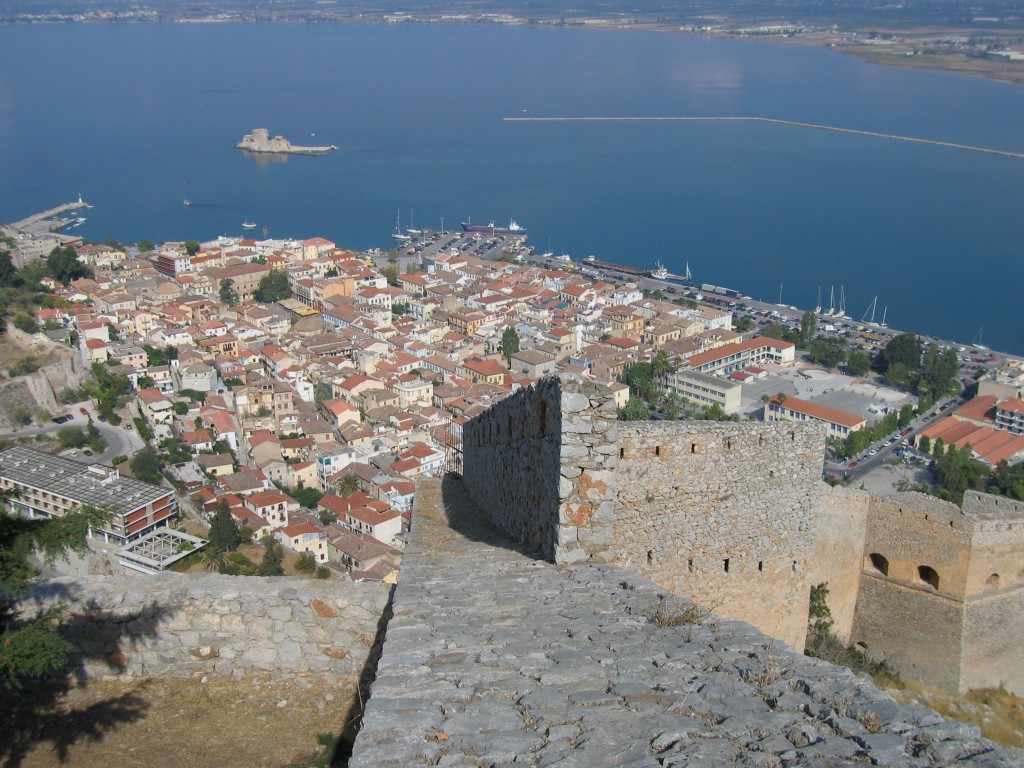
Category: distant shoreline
[943,49]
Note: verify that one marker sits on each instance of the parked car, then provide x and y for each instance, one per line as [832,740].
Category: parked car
[84,411]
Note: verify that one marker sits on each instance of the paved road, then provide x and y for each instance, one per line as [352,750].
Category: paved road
[120,440]
[887,453]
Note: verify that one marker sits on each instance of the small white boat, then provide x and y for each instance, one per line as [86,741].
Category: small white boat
[249,224]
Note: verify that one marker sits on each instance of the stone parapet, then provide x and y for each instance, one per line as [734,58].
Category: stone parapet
[189,625]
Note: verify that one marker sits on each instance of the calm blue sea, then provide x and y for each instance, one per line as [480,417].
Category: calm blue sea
[136,117]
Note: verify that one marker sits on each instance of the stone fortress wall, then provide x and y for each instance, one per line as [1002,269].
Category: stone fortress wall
[496,658]
[39,390]
[941,592]
[694,506]
[723,513]
[735,517]
[281,628]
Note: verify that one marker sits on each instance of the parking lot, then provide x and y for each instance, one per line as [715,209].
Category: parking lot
[810,382]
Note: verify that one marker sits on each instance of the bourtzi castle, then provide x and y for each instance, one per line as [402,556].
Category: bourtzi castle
[736,517]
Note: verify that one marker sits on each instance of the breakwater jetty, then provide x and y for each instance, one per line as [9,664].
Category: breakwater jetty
[797,124]
[47,221]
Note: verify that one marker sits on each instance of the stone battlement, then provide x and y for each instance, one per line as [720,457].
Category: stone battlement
[735,517]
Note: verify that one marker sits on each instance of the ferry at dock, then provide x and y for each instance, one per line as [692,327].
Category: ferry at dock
[513,229]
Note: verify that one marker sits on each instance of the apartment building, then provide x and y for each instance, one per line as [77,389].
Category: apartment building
[52,486]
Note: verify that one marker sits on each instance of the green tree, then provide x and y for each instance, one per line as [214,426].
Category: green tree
[146,465]
[31,648]
[903,349]
[71,437]
[743,323]
[826,351]
[906,415]
[228,294]
[224,535]
[509,344]
[145,246]
[63,265]
[214,560]
[348,485]
[307,497]
[273,287]
[925,444]
[7,270]
[24,322]
[899,375]
[938,371]
[808,327]
[273,559]
[780,332]
[640,378]
[1008,481]
[858,363]
[635,410]
[191,247]
[956,471]
[390,273]
[321,392]
[855,443]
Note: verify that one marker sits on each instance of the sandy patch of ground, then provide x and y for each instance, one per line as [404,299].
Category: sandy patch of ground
[171,723]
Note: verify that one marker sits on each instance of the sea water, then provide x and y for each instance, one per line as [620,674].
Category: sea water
[138,117]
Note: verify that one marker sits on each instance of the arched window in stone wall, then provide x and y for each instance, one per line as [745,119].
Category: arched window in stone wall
[880,563]
[992,582]
[928,575]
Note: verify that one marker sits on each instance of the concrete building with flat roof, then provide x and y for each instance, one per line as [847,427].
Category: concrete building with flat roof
[707,390]
[51,486]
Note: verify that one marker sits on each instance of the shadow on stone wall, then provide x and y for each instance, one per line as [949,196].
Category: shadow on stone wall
[465,518]
[354,717]
[32,715]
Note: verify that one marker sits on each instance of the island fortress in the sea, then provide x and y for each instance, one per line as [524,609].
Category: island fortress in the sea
[260,141]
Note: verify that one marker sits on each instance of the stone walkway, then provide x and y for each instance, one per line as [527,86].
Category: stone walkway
[495,658]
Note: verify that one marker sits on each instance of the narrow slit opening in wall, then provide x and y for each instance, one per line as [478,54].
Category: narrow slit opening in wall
[725,565]
[760,566]
[689,565]
[622,453]
[693,447]
[794,566]
[657,450]
[650,557]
